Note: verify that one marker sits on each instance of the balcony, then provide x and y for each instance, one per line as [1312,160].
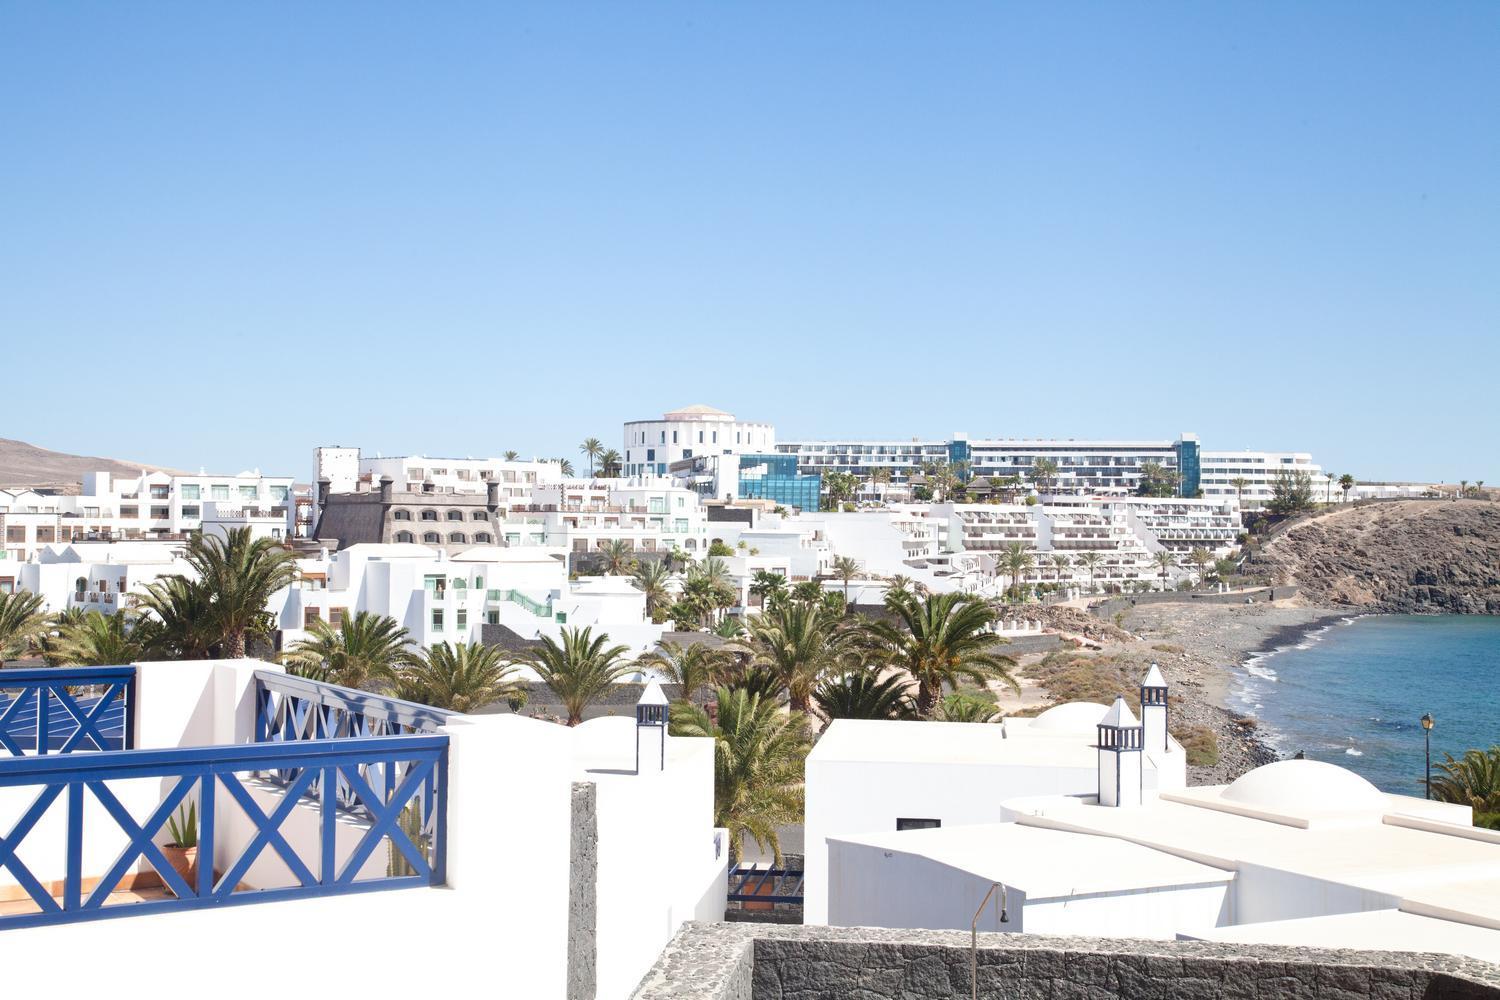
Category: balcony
[333,791]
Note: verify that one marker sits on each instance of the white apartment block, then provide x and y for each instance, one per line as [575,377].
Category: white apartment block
[1260,470]
[652,446]
[93,576]
[649,514]
[154,505]
[346,468]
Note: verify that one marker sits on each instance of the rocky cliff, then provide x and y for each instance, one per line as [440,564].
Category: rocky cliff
[1407,557]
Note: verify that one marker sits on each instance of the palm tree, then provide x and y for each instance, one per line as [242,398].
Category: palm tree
[846,569]
[365,651]
[1016,560]
[759,755]
[511,455]
[653,579]
[862,694]
[461,678]
[99,640]
[691,667]
[1240,484]
[800,642]
[564,467]
[1060,563]
[593,449]
[1472,780]
[939,640]
[1348,482]
[49,643]
[1200,558]
[1090,561]
[1165,563]
[178,618]
[1043,473]
[768,586]
[610,463]
[22,623]
[878,475]
[618,556]
[238,573]
[579,669]
[1463,487]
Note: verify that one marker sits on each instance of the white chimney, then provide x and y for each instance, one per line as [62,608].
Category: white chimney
[1154,710]
[651,731]
[1120,738]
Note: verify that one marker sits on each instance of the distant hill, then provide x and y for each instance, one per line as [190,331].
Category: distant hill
[23,464]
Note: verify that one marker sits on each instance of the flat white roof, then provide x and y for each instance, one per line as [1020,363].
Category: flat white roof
[1372,930]
[981,743]
[1426,864]
[1044,864]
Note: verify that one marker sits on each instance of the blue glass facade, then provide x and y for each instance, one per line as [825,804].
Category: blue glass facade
[1189,467]
[775,478]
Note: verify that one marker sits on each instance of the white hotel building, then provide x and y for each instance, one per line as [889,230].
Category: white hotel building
[652,446]
[153,505]
[346,469]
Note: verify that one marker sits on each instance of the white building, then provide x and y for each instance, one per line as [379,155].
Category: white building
[441,597]
[1296,852]
[651,446]
[346,468]
[1260,470]
[649,514]
[537,839]
[875,777]
[152,505]
[95,576]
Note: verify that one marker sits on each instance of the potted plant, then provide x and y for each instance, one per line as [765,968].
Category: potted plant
[182,851]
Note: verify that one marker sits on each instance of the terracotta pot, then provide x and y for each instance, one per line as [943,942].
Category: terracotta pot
[184,861]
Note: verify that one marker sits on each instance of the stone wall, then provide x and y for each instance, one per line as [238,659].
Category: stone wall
[1109,608]
[582,893]
[748,962]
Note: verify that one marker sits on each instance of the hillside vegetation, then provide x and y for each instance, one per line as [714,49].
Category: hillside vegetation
[1404,557]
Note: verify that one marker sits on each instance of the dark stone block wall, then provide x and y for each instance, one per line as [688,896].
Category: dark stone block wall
[745,962]
[583,904]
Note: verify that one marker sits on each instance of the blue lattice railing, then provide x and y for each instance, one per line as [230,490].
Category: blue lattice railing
[405,811]
[66,709]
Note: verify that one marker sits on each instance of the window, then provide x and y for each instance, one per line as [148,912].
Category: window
[160,492]
[512,538]
[462,618]
[437,619]
[479,583]
[79,586]
[405,536]
[431,537]
[918,824]
[650,454]
[455,515]
[401,515]
[310,615]
[190,510]
[483,538]
[191,491]
[492,618]
[700,437]
[429,515]
[278,493]
[674,437]
[336,616]
[220,491]
[160,513]
[130,512]
[458,536]
[249,492]
[479,515]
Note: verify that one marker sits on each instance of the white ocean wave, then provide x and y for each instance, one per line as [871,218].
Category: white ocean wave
[1353,752]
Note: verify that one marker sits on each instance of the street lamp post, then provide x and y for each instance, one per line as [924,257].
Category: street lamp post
[1427,733]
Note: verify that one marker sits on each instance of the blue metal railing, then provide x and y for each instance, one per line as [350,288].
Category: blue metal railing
[785,884]
[411,818]
[44,712]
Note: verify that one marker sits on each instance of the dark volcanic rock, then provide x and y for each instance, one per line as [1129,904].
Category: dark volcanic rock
[1407,557]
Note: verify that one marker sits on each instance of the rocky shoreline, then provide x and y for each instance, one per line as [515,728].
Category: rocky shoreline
[1200,648]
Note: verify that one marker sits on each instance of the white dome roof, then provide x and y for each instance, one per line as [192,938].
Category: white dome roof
[1071,717]
[1304,786]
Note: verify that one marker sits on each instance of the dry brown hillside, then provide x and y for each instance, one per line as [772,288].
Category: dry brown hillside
[1405,557]
[23,464]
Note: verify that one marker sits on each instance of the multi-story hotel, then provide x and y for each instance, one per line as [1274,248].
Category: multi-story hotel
[346,469]
[154,505]
[651,446]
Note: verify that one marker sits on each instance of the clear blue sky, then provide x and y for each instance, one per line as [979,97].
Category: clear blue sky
[229,233]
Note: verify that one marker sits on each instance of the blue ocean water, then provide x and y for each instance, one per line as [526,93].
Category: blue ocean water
[1353,693]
